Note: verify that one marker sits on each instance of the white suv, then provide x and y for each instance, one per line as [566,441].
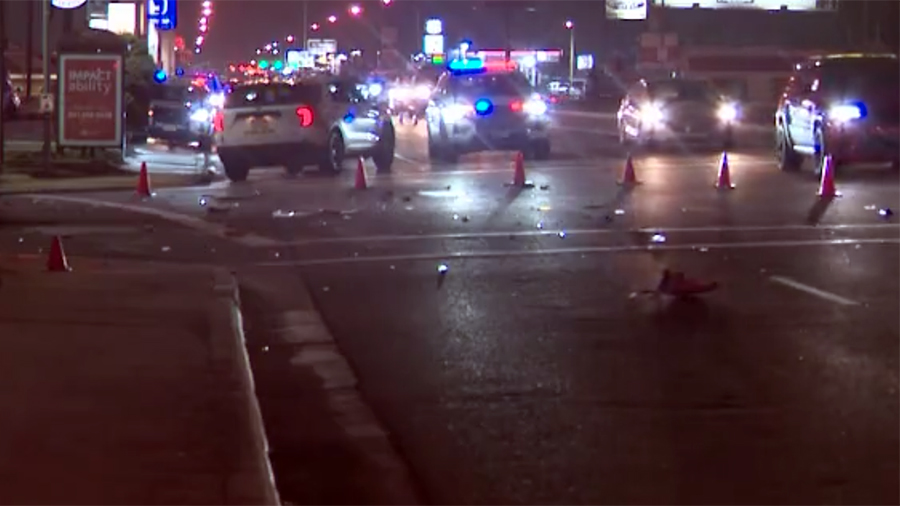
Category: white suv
[319,122]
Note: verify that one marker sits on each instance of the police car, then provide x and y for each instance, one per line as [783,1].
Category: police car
[318,122]
[481,107]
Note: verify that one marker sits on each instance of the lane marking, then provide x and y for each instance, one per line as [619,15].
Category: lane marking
[586,231]
[569,251]
[214,229]
[822,294]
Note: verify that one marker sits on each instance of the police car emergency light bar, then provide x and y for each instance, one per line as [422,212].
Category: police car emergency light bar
[475,65]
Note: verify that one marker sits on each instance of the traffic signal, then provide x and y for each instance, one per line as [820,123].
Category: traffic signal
[278,65]
[159,76]
[263,64]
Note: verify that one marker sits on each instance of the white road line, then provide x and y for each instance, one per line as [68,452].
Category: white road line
[214,229]
[569,251]
[589,231]
[822,294]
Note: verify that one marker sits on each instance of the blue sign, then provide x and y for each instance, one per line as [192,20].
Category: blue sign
[163,14]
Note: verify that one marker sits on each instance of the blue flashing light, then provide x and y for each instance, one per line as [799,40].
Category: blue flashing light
[160,76]
[467,65]
[179,72]
[483,106]
[348,118]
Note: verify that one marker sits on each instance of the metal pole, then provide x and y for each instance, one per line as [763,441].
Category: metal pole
[571,58]
[29,50]
[305,23]
[45,51]
[7,92]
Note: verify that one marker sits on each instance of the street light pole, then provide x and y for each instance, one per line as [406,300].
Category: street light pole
[571,27]
[305,23]
[45,68]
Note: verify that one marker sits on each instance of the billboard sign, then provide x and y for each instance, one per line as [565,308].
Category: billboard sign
[321,47]
[433,44]
[630,10]
[163,14]
[434,26]
[90,100]
[763,5]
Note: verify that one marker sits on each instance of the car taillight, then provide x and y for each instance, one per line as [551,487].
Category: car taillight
[516,106]
[219,121]
[305,115]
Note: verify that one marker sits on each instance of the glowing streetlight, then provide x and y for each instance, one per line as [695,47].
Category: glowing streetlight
[314,27]
[332,19]
[355,10]
[207,4]
[203,28]
[207,12]
[289,38]
[569,25]
[268,47]
[387,2]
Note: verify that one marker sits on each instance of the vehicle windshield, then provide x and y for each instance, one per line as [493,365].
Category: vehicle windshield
[682,90]
[507,83]
[862,75]
[273,94]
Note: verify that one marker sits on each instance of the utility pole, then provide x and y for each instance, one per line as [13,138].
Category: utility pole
[6,92]
[29,49]
[305,23]
[45,64]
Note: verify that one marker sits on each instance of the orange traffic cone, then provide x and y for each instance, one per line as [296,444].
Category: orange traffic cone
[724,180]
[827,189]
[519,170]
[143,185]
[628,175]
[56,260]
[361,175]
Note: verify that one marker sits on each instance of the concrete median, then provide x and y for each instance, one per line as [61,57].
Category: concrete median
[127,383]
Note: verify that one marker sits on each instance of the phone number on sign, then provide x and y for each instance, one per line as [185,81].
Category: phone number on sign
[90,115]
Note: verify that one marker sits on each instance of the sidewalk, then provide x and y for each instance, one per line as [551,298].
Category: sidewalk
[126,384]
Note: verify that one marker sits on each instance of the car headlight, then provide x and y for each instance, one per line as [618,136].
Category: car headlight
[845,112]
[200,116]
[653,114]
[535,107]
[453,113]
[217,100]
[423,92]
[375,89]
[727,113]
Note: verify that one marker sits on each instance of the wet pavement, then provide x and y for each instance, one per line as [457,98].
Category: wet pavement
[500,336]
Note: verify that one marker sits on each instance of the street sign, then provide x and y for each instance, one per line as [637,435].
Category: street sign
[46,105]
[320,47]
[163,14]
[67,4]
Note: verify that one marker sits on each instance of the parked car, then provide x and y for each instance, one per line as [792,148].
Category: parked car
[843,105]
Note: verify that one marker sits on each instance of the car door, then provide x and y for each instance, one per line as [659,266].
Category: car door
[800,108]
[358,118]
[630,109]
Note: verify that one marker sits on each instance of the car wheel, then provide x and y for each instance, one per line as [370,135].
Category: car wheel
[820,150]
[384,151]
[540,150]
[333,158]
[788,159]
[236,173]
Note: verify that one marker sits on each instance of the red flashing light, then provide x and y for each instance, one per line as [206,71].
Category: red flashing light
[500,66]
[515,106]
[219,122]
[305,115]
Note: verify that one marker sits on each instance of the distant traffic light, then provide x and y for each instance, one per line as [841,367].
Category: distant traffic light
[278,65]
[263,64]
[159,76]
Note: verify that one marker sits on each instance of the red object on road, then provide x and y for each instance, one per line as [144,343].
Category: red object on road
[677,284]
[723,182]
[628,174]
[519,170]
[56,260]
[360,175]
[827,189]
[143,185]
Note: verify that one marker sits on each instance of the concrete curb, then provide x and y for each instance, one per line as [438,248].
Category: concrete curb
[259,488]
[584,114]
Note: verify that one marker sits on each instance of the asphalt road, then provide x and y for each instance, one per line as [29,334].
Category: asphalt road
[532,370]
